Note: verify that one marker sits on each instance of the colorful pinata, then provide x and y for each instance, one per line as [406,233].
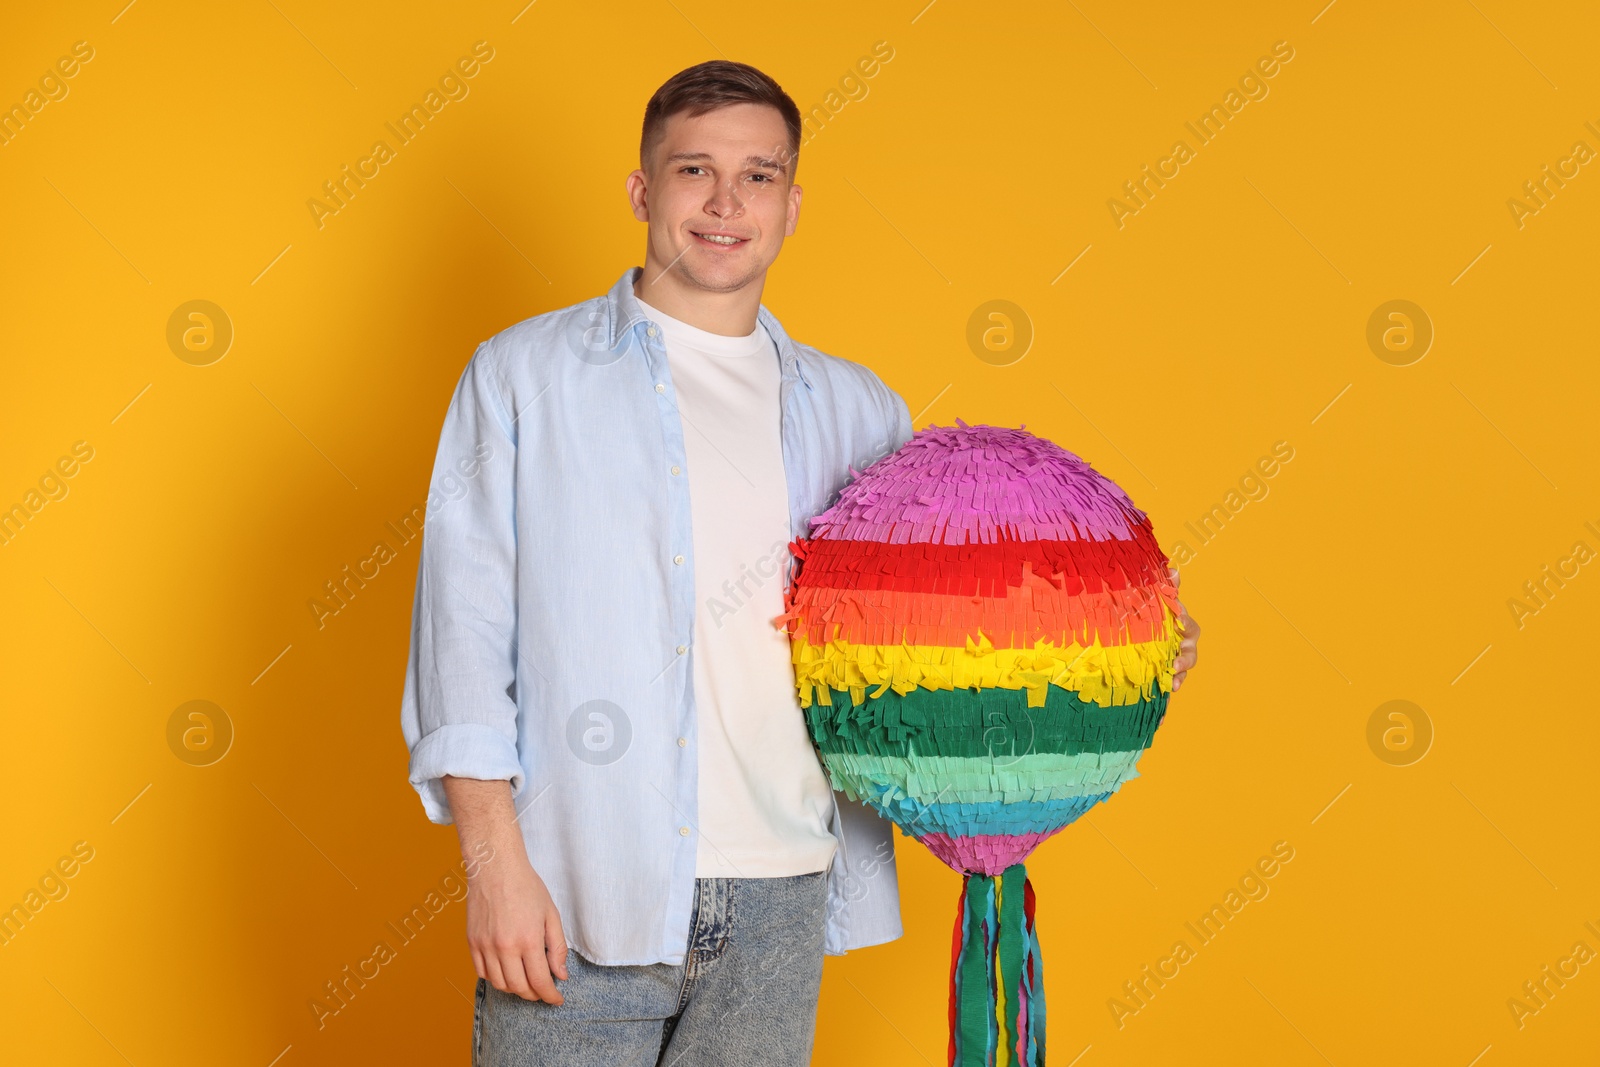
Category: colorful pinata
[984,631]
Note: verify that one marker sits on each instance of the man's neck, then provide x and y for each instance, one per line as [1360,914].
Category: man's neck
[730,314]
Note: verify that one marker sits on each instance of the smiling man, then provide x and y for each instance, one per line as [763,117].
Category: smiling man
[596,690]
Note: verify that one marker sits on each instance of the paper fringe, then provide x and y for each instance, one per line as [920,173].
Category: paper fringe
[973,484]
[1015,617]
[1078,566]
[1032,821]
[1120,674]
[992,722]
[885,779]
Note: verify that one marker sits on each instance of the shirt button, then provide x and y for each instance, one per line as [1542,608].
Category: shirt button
[683,742]
[683,830]
[682,649]
[676,469]
[677,559]
[651,331]
[660,388]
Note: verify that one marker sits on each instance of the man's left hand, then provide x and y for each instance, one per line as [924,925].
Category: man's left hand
[1188,650]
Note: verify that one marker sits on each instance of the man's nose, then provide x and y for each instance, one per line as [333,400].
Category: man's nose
[725,201]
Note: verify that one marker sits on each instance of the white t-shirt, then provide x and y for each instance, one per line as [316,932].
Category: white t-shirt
[764,798]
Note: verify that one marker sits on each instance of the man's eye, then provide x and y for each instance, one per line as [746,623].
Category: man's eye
[689,168]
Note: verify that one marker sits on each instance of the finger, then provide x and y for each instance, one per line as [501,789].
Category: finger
[516,977]
[477,960]
[544,988]
[492,972]
[1176,577]
[555,946]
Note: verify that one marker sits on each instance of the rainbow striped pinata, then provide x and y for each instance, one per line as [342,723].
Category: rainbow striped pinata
[983,631]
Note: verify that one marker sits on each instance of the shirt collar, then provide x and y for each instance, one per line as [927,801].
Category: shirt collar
[624,313]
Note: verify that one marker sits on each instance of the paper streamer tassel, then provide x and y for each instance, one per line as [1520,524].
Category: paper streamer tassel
[996,974]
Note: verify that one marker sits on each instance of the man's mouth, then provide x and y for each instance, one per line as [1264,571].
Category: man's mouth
[720,240]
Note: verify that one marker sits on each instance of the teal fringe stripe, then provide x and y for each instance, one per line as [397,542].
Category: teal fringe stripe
[972,780]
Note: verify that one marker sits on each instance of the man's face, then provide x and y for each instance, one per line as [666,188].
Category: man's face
[717,196]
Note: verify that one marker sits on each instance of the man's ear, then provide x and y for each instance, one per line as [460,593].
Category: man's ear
[793,219]
[638,195]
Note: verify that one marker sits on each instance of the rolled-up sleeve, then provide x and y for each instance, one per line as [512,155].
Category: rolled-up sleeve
[459,709]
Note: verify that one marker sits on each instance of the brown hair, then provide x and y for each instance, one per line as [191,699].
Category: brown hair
[713,84]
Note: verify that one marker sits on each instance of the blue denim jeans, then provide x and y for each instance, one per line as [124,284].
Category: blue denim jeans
[746,993]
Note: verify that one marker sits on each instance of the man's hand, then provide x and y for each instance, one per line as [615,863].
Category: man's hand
[515,933]
[1188,650]
[513,928]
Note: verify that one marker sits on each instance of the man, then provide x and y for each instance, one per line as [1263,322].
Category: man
[596,694]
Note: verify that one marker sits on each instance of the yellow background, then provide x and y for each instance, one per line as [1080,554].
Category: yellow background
[1226,315]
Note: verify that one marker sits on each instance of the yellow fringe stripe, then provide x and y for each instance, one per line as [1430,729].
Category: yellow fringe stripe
[1106,676]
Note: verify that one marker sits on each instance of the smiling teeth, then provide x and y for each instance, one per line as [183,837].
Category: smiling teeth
[718,239]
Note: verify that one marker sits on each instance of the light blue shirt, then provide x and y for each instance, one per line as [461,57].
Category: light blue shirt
[553,626]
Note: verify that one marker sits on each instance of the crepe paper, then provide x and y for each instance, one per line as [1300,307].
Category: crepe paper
[993,722]
[990,817]
[1073,566]
[983,854]
[1119,674]
[1010,952]
[962,484]
[1036,776]
[977,978]
[1033,980]
[983,630]
[996,974]
[1015,617]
